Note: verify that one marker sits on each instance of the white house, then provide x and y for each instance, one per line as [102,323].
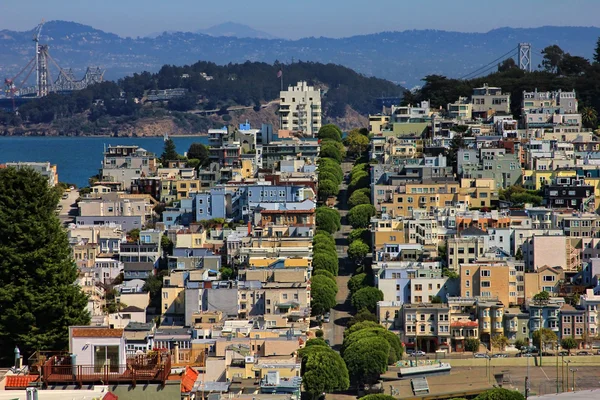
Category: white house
[97,346]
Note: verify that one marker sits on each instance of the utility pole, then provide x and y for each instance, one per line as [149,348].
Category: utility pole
[527,376]
[573,370]
[556,367]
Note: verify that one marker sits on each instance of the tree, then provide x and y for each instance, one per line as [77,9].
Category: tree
[332,166]
[357,251]
[328,175]
[367,329]
[358,198]
[360,234]
[500,394]
[367,297]
[360,216]
[323,291]
[500,342]
[362,316]
[436,300]
[38,296]
[319,333]
[326,261]
[507,64]
[328,219]
[166,245]
[367,359]
[133,235]
[200,152]
[541,297]
[323,371]
[169,152]
[324,272]
[519,344]
[358,282]
[589,117]
[324,238]
[378,397]
[553,56]
[330,131]
[227,273]
[318,341]
[597,52]
[568,343]
[573,65]
[543,336]
[328,188]
[457,143]
[330,150]
[357,143]
[472,344]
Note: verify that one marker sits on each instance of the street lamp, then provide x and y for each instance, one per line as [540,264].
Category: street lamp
[567,362]
[527,376]
[573,370]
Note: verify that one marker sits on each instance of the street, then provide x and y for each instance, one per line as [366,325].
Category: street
[69,207]
[341,314]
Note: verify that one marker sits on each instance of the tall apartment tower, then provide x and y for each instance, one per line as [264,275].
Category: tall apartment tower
[300,109]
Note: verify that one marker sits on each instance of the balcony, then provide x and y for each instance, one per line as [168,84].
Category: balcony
[59,369]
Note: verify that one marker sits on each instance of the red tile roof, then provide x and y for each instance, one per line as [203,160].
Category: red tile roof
[188,379]
[20,381]
[110,396]
[97,332]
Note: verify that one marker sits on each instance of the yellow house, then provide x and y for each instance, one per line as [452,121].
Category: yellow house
[291,262]
[480,192]
[427,196]
[173,294]
[388,231]
[191,240]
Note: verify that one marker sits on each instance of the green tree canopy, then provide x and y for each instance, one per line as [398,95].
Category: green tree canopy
[367,359]
[328,188]
[316,342]
[356,142]
[200,152]
[330,131]
[323,291]
[500,394]
[545,335]
[363,234]
[328,219]
[472,344]
[331,166]
[324,238]
[568,343]
[169,152]
[358,282]
[323,371]
[324,272]
[367,330]
[329,175]
[378,397]
[358,198]
[552,58]
[38,296]
[360,216]
[330,150]
[367,297]
[357,251]
[500,342]
[362,316]
[326,261]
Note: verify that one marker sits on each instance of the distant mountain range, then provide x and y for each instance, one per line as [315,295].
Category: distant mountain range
[403,57]
[227,29]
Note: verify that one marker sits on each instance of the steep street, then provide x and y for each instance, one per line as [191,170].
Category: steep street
[334,330]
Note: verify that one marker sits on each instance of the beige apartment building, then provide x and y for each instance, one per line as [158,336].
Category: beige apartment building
[465,250]
[426,326]
[554,251]
[387,231]
[400,201]
[489,279]
[544,279]
[491,319]
[291,299]
[300,109]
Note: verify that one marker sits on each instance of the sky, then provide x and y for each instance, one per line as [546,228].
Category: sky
[293,19]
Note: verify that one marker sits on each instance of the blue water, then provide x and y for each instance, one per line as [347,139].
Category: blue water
[81,157]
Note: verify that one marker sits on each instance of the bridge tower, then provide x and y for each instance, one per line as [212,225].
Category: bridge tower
[525,57]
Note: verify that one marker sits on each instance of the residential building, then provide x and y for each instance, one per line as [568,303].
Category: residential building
[461,109]
[488,101]
[426,326]
[545,314]
[472,244]
[47,170]
[489,279]
[300,109]
[516,325]
[573,324]
[125,163]
[545,279]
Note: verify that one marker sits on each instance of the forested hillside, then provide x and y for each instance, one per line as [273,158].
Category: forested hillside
[104,108]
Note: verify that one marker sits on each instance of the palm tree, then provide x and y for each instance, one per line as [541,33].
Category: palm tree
[589,117]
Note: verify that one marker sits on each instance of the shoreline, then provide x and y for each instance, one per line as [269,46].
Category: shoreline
[103,136]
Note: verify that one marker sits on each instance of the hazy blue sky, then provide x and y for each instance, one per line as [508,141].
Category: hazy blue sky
[300,18]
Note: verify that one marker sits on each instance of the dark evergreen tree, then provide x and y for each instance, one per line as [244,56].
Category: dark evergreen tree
[38,296]
[199,152]
[169,152]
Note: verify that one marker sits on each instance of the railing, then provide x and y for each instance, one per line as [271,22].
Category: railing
[143,368]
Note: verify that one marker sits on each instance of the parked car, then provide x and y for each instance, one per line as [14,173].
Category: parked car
[584,353]
[418,353]
[525,355]
[563,353]
[480,355]
[65,196]
[499,355]
[410,352]
[326,317]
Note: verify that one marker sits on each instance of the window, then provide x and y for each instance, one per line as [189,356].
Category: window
[485,272]
[418,288]
[467,283]
[566,331]
[467,272]
[550,278]
[578,331]
[579,319]
[486,284]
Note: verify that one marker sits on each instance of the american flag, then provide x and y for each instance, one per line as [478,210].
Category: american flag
[280,74]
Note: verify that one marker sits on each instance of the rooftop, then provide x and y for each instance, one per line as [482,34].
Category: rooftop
[96,332]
